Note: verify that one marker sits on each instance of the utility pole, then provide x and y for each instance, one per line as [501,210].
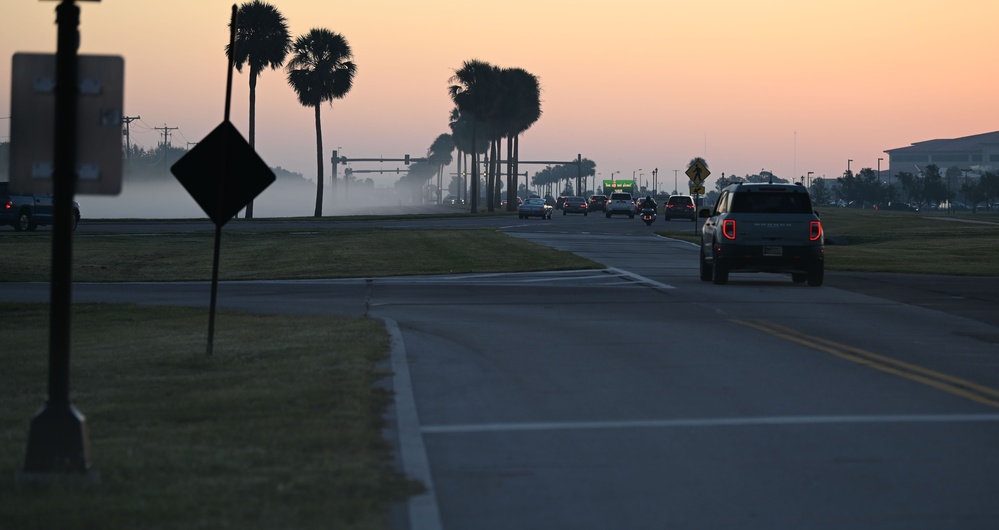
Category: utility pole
[166,141]
[127,120]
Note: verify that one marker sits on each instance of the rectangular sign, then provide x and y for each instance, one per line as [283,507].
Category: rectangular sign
[618,185]
[697,190]
[100,87]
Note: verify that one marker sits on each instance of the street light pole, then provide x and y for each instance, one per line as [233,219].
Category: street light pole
[675,171]
[848,165]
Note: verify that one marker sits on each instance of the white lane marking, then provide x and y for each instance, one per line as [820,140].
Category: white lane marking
[710,422]
[423,510]
[640,279]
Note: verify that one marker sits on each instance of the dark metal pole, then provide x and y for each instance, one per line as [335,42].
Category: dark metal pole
[57,440]
[221,191]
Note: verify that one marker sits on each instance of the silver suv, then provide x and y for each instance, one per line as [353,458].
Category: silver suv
[620,202]
[763,228]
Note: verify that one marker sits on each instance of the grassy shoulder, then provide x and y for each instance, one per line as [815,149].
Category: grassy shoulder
[908,242]
[275,254]
[280,428]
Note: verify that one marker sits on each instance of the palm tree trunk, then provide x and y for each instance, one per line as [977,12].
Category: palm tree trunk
[319,165]
[253,127]
[516,161]
[461,181]
[491,191]
[511,177]
[474,188]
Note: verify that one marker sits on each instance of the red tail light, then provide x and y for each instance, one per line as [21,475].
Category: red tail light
[815,230]
[728,229]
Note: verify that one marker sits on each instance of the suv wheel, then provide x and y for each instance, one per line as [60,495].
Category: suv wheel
[719,272]
[817,275]
[23,222]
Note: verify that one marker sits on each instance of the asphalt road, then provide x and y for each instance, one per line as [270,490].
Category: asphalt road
[641,397]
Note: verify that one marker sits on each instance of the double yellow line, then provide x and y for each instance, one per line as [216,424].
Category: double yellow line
[954,385]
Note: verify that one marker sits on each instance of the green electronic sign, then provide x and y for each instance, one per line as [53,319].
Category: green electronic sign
[618,185]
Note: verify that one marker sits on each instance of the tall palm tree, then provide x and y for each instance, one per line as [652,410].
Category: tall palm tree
[320,70]
[474,93]
[262,41]
[524,91]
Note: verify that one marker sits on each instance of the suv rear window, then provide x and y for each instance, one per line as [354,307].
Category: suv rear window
[680,200]
[620,197]
[771,202]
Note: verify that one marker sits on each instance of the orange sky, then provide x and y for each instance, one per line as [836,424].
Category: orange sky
[783,85]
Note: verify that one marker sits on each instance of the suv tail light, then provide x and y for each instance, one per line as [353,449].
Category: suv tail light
[728,229]
[815,230]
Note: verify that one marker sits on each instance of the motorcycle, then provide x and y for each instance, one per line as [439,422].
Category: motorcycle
[648,216]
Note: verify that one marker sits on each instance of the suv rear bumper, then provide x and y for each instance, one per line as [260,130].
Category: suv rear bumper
[759,258]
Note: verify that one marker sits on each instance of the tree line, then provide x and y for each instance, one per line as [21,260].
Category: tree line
[929,188]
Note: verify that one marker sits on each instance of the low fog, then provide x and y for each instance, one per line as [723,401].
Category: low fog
[167,199]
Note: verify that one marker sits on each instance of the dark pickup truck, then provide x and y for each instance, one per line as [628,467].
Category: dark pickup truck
[27,212]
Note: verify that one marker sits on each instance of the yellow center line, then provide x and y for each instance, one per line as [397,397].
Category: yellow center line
[948,383]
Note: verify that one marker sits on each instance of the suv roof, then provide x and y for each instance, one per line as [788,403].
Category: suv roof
[769,198]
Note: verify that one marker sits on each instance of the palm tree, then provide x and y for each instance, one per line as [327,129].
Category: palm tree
[524,91]
[320,70]
[461,126]
[474,93]
[262,41]
[440,155]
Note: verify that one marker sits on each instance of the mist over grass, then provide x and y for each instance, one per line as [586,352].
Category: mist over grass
[165,198]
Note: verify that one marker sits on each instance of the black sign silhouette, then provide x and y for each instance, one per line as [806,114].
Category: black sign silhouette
[223,173]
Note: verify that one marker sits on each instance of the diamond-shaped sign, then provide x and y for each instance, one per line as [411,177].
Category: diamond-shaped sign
[697,172]
[223,173]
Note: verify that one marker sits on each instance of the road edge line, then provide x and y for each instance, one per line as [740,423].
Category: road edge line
[424,513]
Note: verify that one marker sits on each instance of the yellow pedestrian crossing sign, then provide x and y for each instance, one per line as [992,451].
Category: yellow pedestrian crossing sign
[697,172]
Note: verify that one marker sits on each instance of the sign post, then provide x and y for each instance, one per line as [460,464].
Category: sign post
[697,173]
[223,174]
[57,439]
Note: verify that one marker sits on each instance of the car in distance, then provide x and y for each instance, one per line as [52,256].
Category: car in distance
[535,207]
[28,212]
[575,205]
[560,201]
[680,207]
[762,228]
[620,202]
[598,202]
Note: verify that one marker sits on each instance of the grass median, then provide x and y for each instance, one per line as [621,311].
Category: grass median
[277,254]
[280,428]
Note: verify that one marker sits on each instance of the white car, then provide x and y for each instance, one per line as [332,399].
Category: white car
[620,202]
